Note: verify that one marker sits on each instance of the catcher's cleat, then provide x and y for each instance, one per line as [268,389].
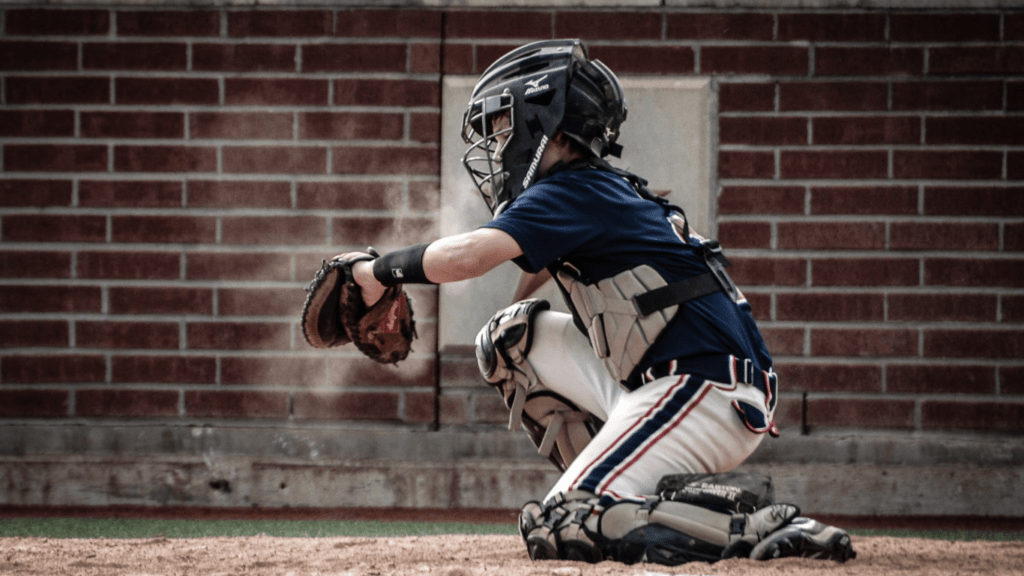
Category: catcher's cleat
[806,538]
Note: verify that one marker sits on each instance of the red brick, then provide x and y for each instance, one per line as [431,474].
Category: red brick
[1012,308]
[419,408]
[939,379]
[351,126]
[42,22]
[789,412]
[129,194]
[33,333]
[241,125]
[1013,237]
[831,236]
[244,57]
[424,57]
[346,406]
[238,336]
[645,59]
[768,271]
[1011,380]
[15,55]
[514,24]
[724,26]
[160,300]
[289,370]
[275,92]
[864,200]
[746,97]
[35,193]
[942,307]
[948,164]
[943,236]
[489,409]
[349,195]
[164,229]
[849,61]
[34,264]
[398,23]
[761,200]
[424,127]
[1005,416]
[1014,95]
[761,309]
[865,272]
[57,90]
[36,123]
[132,265]
[604,26]
[834,164]
[383,231]
[355,58]
[238,266]
[833,96]
[117,334]
[31,369]
[54,158]
[762,131]
[299,23]
[139,56]
[243,194]
[374,92]
[157,91]
[34,403]
[273,230]
[782,60]
[831,377]
[973,272]
[969,343]
[863,342]
[1015,165]
[259,301]
[1013,26]
[126,403]
[745,234]
[861,413]
[274,160]
[974,130]
[412,373]
[832,307]
[867,130]
[849,27]
[736,164]
[168,23]
[458,59]
[976,96]
[53,228]
[959,27]
[132,125]
[424,195]
[165,159]
[784,341]
[974,60]
[966,201]
[22,299]
[236,404]
[385,160]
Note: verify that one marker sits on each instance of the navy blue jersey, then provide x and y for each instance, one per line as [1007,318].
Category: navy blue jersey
[595,221]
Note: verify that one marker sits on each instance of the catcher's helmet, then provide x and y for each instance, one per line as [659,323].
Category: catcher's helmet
[544,87]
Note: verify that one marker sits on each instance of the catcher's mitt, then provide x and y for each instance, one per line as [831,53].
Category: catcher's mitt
[335,314]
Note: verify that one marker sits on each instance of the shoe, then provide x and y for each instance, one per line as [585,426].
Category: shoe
[806,538]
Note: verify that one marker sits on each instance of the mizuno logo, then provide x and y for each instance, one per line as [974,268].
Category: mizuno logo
[535,85]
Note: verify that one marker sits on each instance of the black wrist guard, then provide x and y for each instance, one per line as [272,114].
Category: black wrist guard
[403,266]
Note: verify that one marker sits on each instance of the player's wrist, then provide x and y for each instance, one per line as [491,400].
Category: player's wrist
[403,266]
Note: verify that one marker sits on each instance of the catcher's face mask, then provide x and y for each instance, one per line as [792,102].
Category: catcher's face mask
[487,127]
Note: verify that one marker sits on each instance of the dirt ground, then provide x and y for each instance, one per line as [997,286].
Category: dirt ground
[459,556]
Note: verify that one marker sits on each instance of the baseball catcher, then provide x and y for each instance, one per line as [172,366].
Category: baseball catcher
[658,384]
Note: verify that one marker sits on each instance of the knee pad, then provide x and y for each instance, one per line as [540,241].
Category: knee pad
[557,427]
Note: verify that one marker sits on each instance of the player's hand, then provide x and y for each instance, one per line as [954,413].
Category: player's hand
[362,272]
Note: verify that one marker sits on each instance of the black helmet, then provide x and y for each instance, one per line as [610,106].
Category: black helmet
[544,87]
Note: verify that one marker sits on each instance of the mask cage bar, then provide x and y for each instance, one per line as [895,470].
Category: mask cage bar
[483,157]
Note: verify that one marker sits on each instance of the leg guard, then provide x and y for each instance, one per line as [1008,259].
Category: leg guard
[806,538]
[725,492]
[556,426]
[579,526]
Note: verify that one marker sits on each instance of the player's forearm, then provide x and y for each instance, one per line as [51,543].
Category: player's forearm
[468,255]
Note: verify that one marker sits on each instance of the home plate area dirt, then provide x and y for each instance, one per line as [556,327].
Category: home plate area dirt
[456,555]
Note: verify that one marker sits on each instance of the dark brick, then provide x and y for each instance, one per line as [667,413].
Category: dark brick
[27,299]
[241,125]
[164,369]
[168,23]
[160,300]
[849,61]
[942,307]
[349,195]
[53,228]
[824,164]
[976,96]
[414,373]
[238,336]
[261,302]
[34,403]
[762,131]
[779,339]
[974,272]
[740,164]
[863,342]
[1011,379]
[424,127]
[34,334]
[244,57]
[351,126]
[399,23]
[833,307]
[952,236]
[831,377]
[419,407]
[761,200]
[425,57]
[140,56]
[849,27]
[723,26]
[644,59]
[1007,131]
[850,130]
[132,125]
[34,264]
[57,90]
[236,404]
[54,158]
[864,200]
[130,335]
[31,369]
[1014,96]
[165,159]
[242,194]
[745,234]
[833,96]
[514,24]
[974,201]
[35,56]
[129,194]
[1012,309]
[385,160]
[939,379]
[158,91]
[959,27]
[355,58]
[947,164]
[970,343]
[131,265]
[300,23]
[36,123]
[288,370]
[768,271]
[374,92]
[346,406]
[274,230]
[1015,165]
[783,341]
[781,60]
[383,231]
[42,22]
[274,160]
[831,236]
[1002,416]
[164,229]
[274,267]
[746,97]
[865,272]
[860,413]
[604,26]
[126,403]
[275,92]
[35,193]
[458,59]
[976,60]
[1013,237]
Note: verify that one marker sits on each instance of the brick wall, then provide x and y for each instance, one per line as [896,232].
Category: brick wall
[172,177]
